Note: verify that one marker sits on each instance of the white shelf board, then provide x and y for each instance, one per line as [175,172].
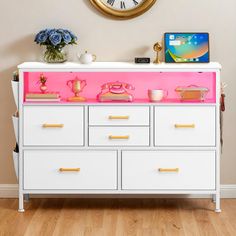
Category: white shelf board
[118,65]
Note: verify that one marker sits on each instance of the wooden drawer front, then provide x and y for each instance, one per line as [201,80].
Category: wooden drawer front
[81,169]
[185,126]
[119,115]
[53,125]
[119,136]
[168,170]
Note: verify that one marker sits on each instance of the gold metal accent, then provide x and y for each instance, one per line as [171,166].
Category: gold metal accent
[191,126]
[76,85]
[123,14]
[118,117]
[157,48]
[119,137]
[69,169]
[53,125]
[94,57]
[76,99]
[168,169]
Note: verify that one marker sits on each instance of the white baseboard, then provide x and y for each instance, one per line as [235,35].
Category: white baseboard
[228,190]
[8,190]
[11,191]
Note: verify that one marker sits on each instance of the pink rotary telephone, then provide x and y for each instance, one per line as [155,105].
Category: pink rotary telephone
[115,91]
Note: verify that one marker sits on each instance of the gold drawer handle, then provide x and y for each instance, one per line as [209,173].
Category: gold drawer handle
[69,169]
[178,126]
[53,125]
[168,169]
[119,137]
[118,117]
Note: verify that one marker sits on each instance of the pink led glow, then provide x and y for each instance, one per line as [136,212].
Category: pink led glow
[142,81]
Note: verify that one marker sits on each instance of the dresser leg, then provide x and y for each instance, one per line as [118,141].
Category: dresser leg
[214,198]
[21,203]
[217,203]
[27,197]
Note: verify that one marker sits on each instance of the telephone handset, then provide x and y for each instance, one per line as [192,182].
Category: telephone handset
[115,91]
[117,87]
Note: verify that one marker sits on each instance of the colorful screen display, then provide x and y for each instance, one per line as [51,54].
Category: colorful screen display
[186,47]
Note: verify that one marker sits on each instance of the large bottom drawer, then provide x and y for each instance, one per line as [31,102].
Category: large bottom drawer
[168,170]
[63,169]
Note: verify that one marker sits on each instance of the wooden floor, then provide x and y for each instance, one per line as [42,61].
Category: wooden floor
[112,217]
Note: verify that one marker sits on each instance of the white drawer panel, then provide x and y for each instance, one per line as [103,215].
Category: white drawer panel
[119,115]
[150,170]
[185,126]
[98,169]
[68,125]
[119,136]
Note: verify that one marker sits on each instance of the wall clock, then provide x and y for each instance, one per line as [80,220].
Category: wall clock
[123,9]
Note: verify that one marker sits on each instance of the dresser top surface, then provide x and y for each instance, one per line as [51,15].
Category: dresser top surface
[118,65]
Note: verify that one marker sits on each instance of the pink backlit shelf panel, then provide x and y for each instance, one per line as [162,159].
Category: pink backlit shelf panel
[142,81]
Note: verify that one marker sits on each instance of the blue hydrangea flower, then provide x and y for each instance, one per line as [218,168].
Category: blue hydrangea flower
[50,31]
[71,34]
[61,31]
[67,38]
[41,37]
[55,38]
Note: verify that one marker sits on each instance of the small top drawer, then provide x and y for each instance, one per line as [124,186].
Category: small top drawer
[53,125]
[185,126]
[119,115]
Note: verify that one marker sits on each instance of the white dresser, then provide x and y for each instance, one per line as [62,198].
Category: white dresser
[138,147]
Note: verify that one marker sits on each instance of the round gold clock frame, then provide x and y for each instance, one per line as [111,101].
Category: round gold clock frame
[124,14]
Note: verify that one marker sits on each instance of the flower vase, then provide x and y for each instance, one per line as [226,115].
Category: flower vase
[43,87]
[54,55]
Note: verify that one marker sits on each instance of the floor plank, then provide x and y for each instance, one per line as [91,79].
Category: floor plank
[117,217]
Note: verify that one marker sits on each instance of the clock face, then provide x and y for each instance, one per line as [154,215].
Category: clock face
[122,5]
[123,9]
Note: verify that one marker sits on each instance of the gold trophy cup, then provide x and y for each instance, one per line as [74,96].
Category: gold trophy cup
[76,87]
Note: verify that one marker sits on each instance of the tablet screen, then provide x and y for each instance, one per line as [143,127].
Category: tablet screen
[186,47]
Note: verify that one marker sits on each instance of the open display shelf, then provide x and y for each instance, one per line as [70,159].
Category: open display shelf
[142,81]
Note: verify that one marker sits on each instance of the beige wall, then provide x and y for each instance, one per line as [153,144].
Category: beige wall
[114,40]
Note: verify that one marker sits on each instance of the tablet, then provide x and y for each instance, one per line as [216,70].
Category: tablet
[186,47]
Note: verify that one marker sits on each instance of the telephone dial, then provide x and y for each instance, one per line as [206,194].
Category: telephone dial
[115,91]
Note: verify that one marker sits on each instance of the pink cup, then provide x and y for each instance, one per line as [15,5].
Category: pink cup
[156,95]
